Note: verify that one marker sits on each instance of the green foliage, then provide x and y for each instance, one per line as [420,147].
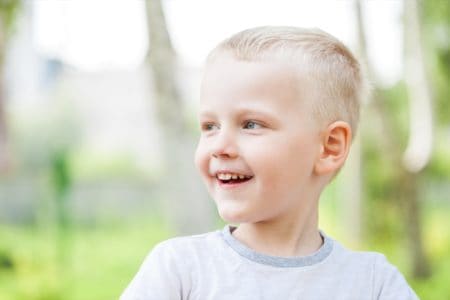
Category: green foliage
[437,241]
[381,164]
[439,166]
[41,133]
[397,102]
[61,172]
[88,165]
[8,13]
[436,36]
[102,260]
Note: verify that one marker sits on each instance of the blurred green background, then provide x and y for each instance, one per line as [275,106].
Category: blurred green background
[98,129]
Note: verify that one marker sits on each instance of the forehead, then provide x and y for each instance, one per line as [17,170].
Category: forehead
[228,81]
[247,74]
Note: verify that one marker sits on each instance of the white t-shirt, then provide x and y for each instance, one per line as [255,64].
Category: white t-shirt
[215,266]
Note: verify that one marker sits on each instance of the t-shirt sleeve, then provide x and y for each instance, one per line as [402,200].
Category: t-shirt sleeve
[158,277]
[389,283]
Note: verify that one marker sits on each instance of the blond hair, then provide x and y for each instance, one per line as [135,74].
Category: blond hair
[333,70]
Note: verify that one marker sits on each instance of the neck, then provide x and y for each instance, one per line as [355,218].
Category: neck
[295,236]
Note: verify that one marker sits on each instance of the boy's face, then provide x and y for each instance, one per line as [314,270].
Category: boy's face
[257,126]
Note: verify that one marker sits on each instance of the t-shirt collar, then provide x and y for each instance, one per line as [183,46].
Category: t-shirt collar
[278,261]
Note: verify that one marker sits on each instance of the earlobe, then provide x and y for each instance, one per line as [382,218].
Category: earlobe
[336,141]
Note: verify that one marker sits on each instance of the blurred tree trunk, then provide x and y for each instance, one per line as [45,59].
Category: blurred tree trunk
[4,151]
[186,204]
[352,184]
[406,179]
[352,172]
[8,11]
[418,151]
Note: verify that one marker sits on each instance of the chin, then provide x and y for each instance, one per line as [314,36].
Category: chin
[232,217]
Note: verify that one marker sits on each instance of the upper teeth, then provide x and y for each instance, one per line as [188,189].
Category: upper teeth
[228,176]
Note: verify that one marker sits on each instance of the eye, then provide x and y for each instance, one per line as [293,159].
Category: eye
[209,126]
[252,125]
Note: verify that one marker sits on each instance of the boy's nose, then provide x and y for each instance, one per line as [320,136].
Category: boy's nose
[224,146]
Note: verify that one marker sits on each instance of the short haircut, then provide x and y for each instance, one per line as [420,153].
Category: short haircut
[336,75]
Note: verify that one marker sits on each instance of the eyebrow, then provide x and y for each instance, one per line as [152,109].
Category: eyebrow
[249,111]
[241,112]
[207,114]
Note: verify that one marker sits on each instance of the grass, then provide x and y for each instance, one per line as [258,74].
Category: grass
[91,263]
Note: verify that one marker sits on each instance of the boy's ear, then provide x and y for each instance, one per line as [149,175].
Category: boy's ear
[336,141]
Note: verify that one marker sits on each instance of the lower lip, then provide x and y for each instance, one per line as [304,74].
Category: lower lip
[232,185]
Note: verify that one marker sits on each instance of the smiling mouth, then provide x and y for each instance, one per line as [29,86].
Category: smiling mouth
[230,178]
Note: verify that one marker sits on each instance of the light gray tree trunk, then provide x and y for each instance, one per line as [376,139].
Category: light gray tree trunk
[352,195]
[8,13]
[418,151]
[187,206]
[4,153]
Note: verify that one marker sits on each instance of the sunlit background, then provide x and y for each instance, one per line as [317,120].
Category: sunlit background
[98,129]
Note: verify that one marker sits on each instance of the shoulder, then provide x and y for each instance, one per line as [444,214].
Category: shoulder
[349,256]
[374,261]
[386,281]
[190,241]
[180,247]
[389,282]
[365,262]
[167,269]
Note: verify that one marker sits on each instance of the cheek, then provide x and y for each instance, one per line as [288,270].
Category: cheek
[201,158]
[301,161]
[284,162]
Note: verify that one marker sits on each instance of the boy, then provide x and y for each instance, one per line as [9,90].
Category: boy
[279,108]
